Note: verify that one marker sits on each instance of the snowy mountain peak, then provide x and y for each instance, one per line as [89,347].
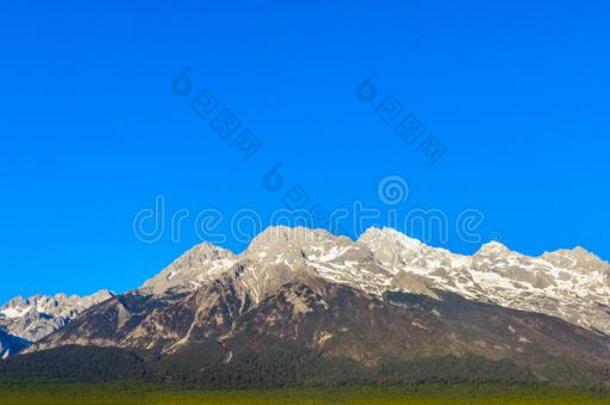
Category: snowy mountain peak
[56,305]
[583,254]
[37,316]
[286,236]
[577,259]
[201,253]
[200,263]
[493,248]
[386,235]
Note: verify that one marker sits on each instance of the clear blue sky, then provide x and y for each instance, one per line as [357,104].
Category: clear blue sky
[92,133]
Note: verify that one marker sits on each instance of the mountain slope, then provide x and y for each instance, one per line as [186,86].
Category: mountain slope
[310,321]
[10,345]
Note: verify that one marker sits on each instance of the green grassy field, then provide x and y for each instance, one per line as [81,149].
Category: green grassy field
[67,394]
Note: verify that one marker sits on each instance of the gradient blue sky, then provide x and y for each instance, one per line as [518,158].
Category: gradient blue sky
[91,132]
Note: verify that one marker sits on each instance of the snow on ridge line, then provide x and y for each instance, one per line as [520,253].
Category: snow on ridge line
[493,274]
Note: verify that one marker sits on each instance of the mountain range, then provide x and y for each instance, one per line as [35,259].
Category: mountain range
[27,320]
[305,307]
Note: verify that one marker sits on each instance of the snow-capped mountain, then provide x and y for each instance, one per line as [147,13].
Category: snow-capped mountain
[573,285]
[305,302]
[35,317]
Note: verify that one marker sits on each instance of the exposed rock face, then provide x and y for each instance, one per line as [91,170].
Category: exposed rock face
[193,269]
[220,327]
[38,316]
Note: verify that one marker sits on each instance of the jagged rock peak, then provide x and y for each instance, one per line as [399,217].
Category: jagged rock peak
[493,248]
[202,252]
[39,315]
[578,252]
[284,235]
[577,258]
[199,263]
[58,304]
[388,235]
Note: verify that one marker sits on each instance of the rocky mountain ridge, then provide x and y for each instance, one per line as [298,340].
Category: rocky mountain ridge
[26,320]
[573,285]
